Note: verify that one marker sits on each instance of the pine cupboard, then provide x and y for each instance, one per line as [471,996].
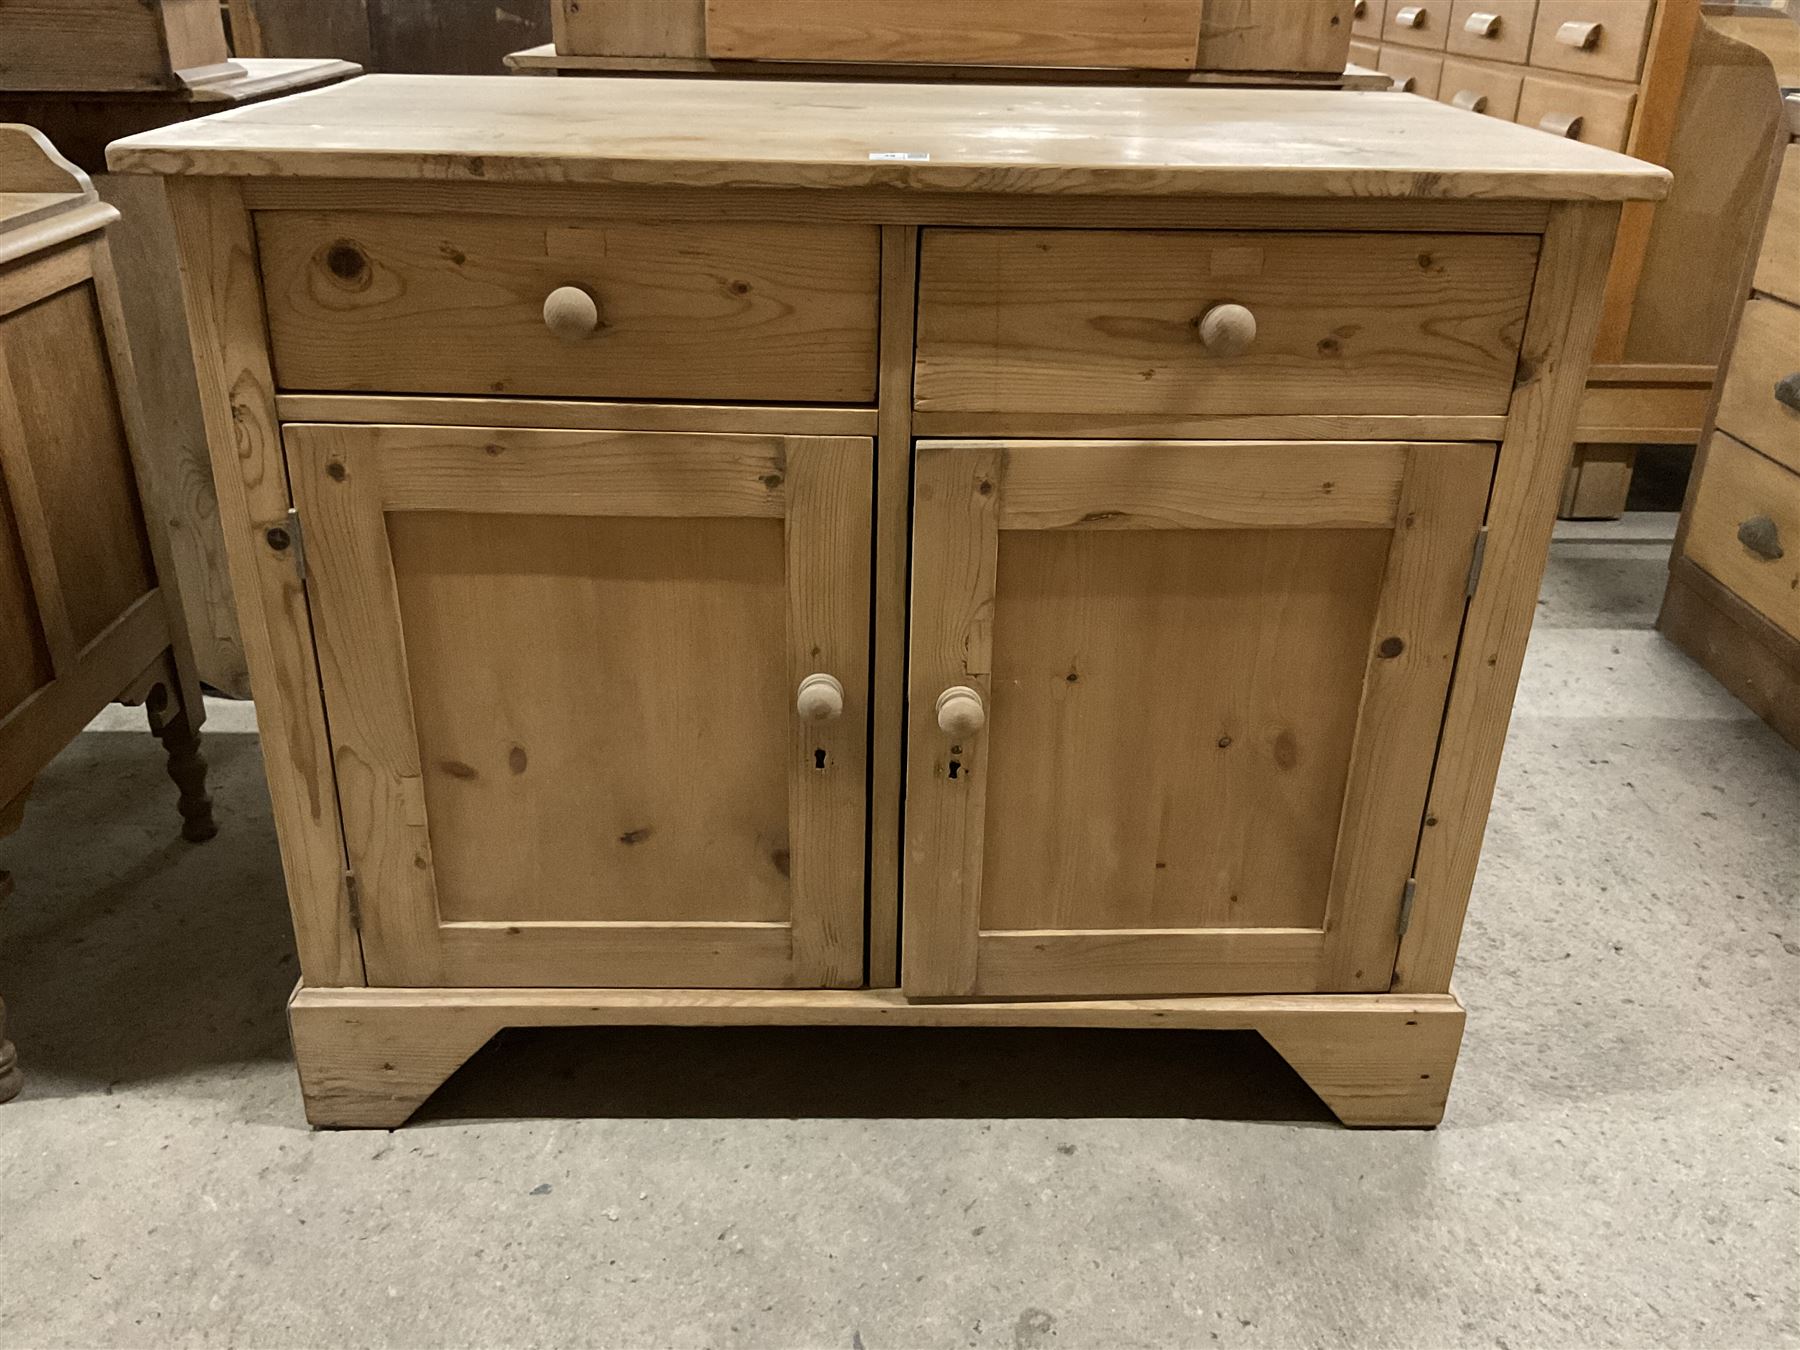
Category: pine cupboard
[896,570]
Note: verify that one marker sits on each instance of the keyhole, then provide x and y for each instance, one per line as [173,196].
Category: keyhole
[955,767]
[819,759]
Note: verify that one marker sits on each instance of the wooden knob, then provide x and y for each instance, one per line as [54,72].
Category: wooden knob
[960,711]
[571,313]
[1227,330]
[1762,536]
[821,698]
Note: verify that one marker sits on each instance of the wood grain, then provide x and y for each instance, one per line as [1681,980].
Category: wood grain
[1767,351]
[237,395]
[1778,261]
[365,301]
[583,415]
[370,1058]
[1151,33]
[1740,485]
[1181,142]
[1104,321]
[1274,35]
[93,45]
[1565,315]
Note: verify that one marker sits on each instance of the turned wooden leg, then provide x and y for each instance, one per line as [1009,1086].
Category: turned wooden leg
[11,1080]
[170,724]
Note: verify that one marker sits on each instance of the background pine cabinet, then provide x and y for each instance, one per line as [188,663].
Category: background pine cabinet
[560,672]
[1190,660]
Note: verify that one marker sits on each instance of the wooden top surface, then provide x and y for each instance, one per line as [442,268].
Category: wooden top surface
[957,138]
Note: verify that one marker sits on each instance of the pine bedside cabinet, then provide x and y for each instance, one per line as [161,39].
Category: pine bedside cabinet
[740,552]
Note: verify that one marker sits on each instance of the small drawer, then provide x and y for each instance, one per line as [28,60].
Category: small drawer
[1479,87]
[574,309]
[1778,265]
[1417,23]
[1498,30]
[1590,113]
[1763,375]
[1365,54]
[1366,17]
[1744,528]
[1603,38]
[1176,323]
[1412,72]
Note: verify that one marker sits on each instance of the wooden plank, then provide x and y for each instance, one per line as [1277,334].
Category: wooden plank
[893,516]
[371,1057]
[955,555]
[1110,485]
[1599,480]
[431,38]
[830,494]
[1298,35]
[1654,414]
[585,415]
[1137,962]
[225,312]
[1411,654]
[1026,424]
[629,27]
[1179,142]
[1125,33]
[732,311]
[1089,322]
[1558,337]
[889,207]
[1778,262]
[273,28]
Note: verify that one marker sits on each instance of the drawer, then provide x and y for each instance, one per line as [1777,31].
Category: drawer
[1744,528]
[662,310]
[1778,265]
[1499,30]
[1413,72]
[1100,321]
[1480,87]
[1366,17]
[1417,23]
[1604,38]
[1590,113]
[1767,353]
[1365,54]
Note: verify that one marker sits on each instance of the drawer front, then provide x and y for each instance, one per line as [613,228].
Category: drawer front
[1591,114]
[1417,23]
[1492,91]
[1365,54]
[662,310]
[1745,530]
[1366,17]
[1499,30]
[1099,321]
[1765,357]
[1604,38]
[1778,265]
[1414,72]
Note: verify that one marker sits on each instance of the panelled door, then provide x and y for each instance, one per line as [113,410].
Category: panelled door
[598,701]
[1173,709]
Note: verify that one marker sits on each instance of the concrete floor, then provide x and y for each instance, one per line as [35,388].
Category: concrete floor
[1620,1165]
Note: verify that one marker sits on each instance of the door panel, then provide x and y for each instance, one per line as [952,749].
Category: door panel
[1213,677]
[560,672]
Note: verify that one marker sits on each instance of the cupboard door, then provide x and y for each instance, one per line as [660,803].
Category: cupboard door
[563,673]
[1174,709]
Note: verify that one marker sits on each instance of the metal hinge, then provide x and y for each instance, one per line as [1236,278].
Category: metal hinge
[353,898]
[1406,905]
[1475,564]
